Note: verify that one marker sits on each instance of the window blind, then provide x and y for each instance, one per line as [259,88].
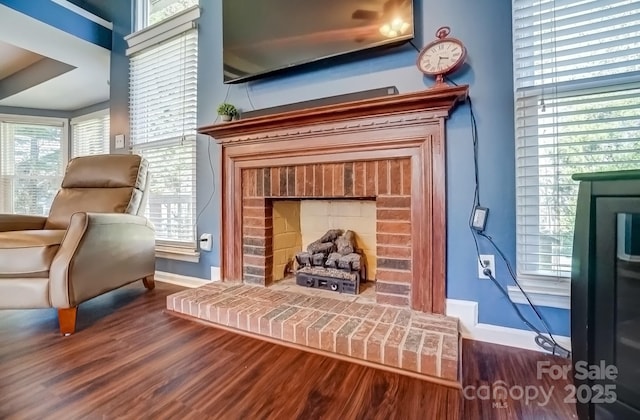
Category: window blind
[90,134]
[577,109]
[163,105]
[31,166]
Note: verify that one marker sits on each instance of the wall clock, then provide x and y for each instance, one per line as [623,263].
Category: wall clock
[442,56]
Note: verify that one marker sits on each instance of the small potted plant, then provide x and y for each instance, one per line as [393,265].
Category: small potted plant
[227,111]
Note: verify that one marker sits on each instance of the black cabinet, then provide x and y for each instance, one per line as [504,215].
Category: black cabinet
[605,296]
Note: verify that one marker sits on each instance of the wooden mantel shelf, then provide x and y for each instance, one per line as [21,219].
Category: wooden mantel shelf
[439,99]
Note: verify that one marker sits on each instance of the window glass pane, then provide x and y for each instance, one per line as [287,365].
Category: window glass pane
[159,10]
[31,166]
[163,105]
[171,202]
[90,135]
[577,109]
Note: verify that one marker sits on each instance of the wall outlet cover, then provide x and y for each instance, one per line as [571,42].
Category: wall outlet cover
[119,141]
[488,261]
[205,242]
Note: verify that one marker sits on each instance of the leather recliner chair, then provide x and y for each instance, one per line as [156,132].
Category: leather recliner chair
[94,240]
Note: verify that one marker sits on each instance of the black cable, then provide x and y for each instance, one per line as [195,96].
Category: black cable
[450,81]
[547,343]
[474,136]
[213,190]
[414,46]
[515,280]
[213,173]
[246,88]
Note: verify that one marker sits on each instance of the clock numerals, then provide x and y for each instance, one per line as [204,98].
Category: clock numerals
[442,56]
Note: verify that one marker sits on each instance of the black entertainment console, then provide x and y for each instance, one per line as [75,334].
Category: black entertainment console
[605,296]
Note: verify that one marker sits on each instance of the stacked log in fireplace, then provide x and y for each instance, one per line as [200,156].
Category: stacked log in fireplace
[333,262]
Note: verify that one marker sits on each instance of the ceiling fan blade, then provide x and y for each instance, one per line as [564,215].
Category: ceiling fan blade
[364,14]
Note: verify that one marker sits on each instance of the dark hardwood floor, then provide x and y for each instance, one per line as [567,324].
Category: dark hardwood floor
[131,360]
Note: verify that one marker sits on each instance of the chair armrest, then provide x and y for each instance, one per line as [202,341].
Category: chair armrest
[100,252]
[11,222]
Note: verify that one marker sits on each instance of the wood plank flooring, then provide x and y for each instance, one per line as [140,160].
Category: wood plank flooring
[131,360]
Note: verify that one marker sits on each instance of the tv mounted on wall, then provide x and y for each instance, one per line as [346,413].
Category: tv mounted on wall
[261,37]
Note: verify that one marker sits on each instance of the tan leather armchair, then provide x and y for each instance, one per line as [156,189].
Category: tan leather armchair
[94,240]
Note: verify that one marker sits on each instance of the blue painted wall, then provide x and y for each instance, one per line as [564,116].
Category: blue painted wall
[122,17]
[485,27]
[64,19]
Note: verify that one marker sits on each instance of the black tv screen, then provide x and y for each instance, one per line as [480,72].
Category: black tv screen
[264,36]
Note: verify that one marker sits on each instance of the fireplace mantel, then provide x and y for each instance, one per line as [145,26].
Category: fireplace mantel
[401,128]
[436,102]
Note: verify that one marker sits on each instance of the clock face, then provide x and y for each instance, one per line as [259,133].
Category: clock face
[441,57]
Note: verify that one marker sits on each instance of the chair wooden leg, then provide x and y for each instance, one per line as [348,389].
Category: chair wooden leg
[67,320]
[149,282]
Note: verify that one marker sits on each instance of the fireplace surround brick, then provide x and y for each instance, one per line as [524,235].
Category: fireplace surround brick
[387,180]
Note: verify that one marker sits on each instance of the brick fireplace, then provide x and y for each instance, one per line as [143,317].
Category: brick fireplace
[390,150]
[376,167]
[386,181]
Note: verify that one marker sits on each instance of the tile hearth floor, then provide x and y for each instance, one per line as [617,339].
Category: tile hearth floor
[420,344]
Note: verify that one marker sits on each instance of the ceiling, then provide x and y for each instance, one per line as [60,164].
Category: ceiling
[46,68]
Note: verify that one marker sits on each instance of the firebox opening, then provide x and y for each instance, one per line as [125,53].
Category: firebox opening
[298,223]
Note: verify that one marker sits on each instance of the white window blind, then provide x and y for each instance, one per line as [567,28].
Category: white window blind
[90,134]
[163,104]
[577,109]
[31,166]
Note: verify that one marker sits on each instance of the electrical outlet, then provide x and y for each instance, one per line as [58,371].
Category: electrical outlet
[205,242]
[488,261]
[119,141]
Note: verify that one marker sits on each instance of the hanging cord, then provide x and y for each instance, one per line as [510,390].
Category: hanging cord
[547,343]
[246,89]
[213,173]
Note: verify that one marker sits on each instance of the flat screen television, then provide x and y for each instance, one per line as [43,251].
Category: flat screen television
[261,37]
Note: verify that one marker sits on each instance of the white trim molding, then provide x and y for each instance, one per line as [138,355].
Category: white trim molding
[177,253]
[554,293]
[539,297]
[85,14]
[467,312]
[162,31]
[180,280]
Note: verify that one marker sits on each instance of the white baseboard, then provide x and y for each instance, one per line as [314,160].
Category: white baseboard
[179,280]
[215,273]
[467,312]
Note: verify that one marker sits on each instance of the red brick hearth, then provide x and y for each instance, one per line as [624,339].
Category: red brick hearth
[423,345]
[387,181]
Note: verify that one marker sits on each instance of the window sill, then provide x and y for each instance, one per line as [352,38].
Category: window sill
[179,254]
[549,293]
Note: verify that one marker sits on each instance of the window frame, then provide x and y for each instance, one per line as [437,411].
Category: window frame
[147,37]
[141,13]
[65,137]
[546,290]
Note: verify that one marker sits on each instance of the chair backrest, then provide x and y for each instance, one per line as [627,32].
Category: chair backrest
[100,184]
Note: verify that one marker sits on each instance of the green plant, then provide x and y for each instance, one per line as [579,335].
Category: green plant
[227,109]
